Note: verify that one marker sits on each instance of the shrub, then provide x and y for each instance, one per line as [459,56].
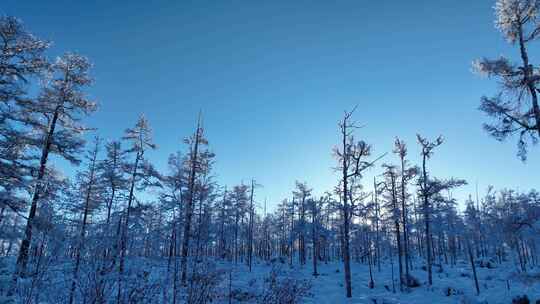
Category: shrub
[282,289]
[203,282]
[521,300]
[412,282]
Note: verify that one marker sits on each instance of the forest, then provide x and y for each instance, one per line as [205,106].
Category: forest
[117,230]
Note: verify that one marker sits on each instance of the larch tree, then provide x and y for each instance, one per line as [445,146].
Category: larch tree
[239,197]
[390,188]
[91,190]
[111,170]
[292,233]
[351,157]
[198,159]
[251,222]
[428,188]
[142,175]
[315,207]
[407,173]
[427,151]
[21,60]
[206,195]
[224,222]
[302,193]
[171,197]
[375,217]
[55,117]
[514,108]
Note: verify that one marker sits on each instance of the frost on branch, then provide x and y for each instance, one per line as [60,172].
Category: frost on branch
[513,15]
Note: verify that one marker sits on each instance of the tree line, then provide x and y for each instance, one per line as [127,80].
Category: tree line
[84,238]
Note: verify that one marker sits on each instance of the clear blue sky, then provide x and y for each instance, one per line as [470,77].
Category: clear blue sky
[273,78]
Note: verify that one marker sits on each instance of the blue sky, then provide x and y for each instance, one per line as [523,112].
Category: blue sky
[273,78]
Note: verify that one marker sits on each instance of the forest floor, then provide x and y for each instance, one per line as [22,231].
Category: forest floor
[452,285]
[499,284]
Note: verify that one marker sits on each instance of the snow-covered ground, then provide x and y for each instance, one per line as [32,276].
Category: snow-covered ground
[498,285]
[451,285]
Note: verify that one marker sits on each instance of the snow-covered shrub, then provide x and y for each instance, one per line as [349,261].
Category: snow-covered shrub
[469,299]
[464,273]
[521,300]
[141,288]
[412,282]
[240,295]
[283,289]
[203,282]
[96,282]
[280,260]
[383,301]
[451,291]
[5,283]
[486,263]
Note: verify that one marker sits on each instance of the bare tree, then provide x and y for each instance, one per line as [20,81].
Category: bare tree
[427,152]
[351,157]
[194,157]
[428,188]
[251,222]
[302,194]
[315,207]
[391,188]
[90,188]
[407,174]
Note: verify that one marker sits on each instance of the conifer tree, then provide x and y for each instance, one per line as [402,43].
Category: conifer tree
[514,109]
[55,117]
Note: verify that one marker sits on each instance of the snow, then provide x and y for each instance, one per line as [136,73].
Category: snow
[328,288]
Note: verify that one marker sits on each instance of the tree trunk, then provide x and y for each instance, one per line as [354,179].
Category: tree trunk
[315,237]
[123,237]
[530,83]
[404,220]
[22,258]
[189,206]
[83,227]
[427,220]
[473,266]
[251,210]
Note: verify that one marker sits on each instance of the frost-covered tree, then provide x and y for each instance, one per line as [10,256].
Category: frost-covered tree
[240,202]
[198,162]
[315,206]
[172,199]
[142,175]
[407,173]
[205,197]
[373,213]
[428,188]
[302,194]
[112,172]
[514,108]
[352,162]
[55,117]
[251,228]
[391,190]
[91,191]
[21,61]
